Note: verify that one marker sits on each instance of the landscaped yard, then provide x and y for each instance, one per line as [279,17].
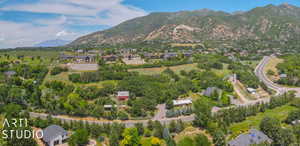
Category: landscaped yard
[253,122]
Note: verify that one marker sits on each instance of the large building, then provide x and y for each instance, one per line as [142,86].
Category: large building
[54,135]
[253,137]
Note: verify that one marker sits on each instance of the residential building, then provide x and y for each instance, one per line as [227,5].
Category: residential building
[182,102]
[123,95]
[251,138]
[54,135]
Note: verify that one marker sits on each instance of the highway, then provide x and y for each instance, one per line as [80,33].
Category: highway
[259,72]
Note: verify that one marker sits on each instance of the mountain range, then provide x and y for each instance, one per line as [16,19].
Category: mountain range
[268,26]
[52,43]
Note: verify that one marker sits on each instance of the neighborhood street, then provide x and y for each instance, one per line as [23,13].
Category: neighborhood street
[259,72]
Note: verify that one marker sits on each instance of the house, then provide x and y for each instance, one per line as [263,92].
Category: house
[9,73]
[170,55]
[123,95]
[54,135]
[251,90]
[251,138]
[66,57]
[182,102]
[210,91]
[108,107]
[110,58]
[296,122]
[283,75]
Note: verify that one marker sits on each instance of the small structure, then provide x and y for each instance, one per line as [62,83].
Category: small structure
[123,95]
[107,107]
[211,91]
[251,138]
[170,55]
[9,73]
[54,135]
[296,122]
[283,75]
[182,102]
[251,90]
[110,58]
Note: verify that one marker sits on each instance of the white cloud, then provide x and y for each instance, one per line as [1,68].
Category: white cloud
[64,33]
[72,12]
[26,34]
[87,10]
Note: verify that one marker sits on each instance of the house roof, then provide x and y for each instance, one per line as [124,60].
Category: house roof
[283,75]
[210,90]
[10,73]
[182,102]
[51,132]
[252,137]
[123,93]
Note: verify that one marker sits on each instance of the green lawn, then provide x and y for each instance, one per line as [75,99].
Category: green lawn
[158,70]
[64,77]
[253,122]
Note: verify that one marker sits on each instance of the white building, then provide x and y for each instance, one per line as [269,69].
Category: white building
[181,102]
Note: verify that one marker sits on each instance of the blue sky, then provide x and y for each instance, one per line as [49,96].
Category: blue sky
[28,22]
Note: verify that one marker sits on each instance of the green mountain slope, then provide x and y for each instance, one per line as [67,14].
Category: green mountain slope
[271,25]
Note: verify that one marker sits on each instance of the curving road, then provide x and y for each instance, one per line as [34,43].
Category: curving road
[259,72]
[128,123]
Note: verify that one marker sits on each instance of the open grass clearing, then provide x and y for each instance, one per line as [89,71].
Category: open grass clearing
[253,122]
[158,70]
[272,66]
[64,77]
[191,132]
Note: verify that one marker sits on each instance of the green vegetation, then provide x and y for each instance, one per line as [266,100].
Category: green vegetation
[291,68]
[280,113]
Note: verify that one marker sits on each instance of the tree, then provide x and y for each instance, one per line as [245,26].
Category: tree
[140,128]
[167,137]
[296,130]
[131,137]
[158,129]
[202,111]
[201,140]
[79,138]
[186,141]
[285,137]
[270,126]
[219,138]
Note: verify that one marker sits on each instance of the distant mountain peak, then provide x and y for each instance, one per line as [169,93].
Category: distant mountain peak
[52,43]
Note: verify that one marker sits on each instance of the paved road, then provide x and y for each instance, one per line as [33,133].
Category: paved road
[161,113]
[259,72]
[129,123]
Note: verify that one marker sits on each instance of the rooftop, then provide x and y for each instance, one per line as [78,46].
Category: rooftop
[51,132]
[252,137]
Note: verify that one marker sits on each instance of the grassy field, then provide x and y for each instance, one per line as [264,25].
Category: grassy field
[253,122]
[190,132]
[64,77]
[158,70]
[272,66]
[43,54]
[177,69]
